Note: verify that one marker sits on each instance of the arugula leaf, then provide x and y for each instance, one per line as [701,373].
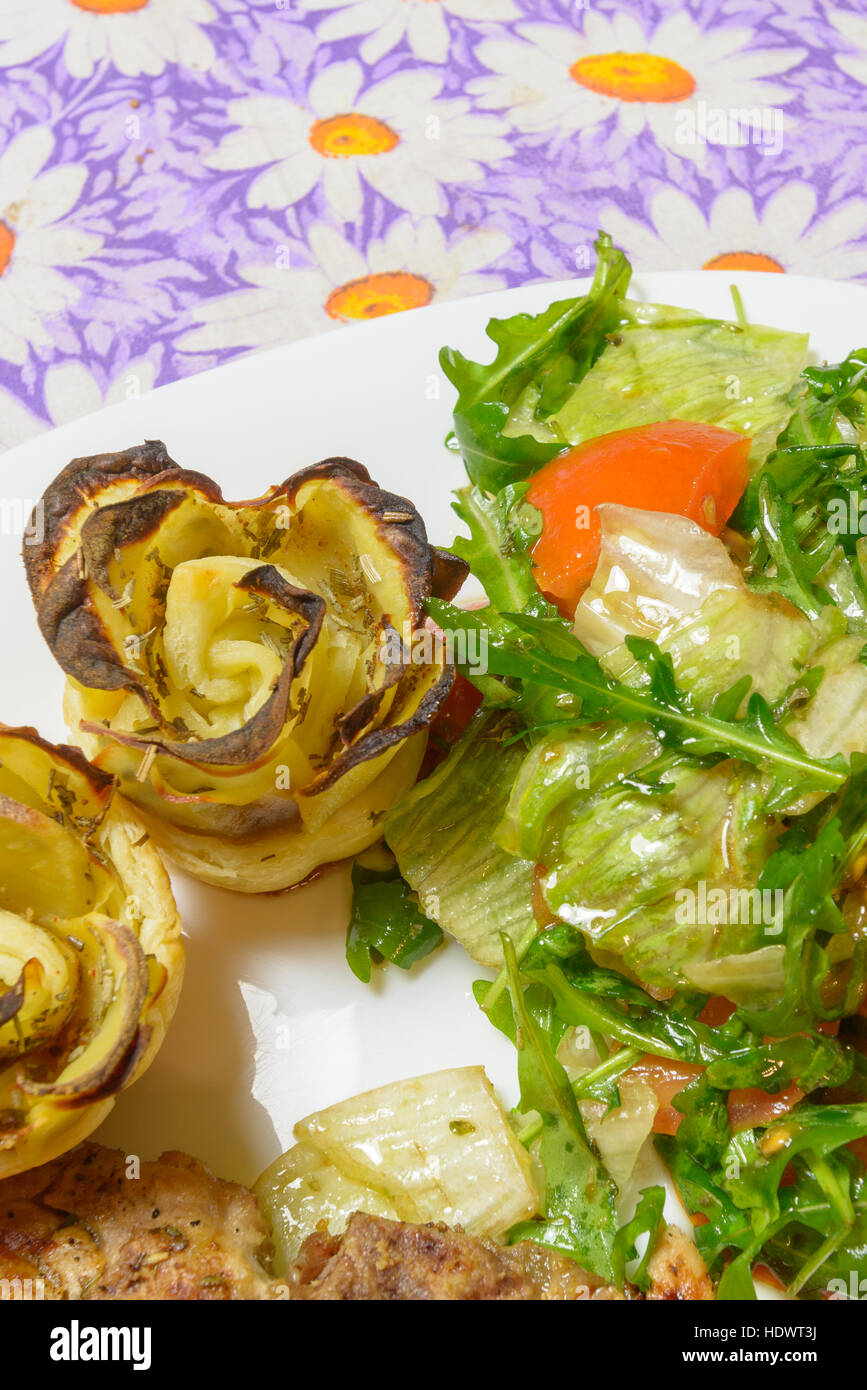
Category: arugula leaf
[386,923]
[658,1030]
[705,1129]
[791,571]
[756,1165]
[809,865]
[734,1055]
[801,1247]
[793,777]
[736,1284]
[811,435]
[600,1083]
[817,1220]
[537,1000]
[580,1197]
[553,350]
[799,506]
[544,652]
[647,1220]
[811,1060]
[725,1224]
[502,530]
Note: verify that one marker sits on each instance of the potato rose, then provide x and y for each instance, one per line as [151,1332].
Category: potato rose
[90,952]
[233,664]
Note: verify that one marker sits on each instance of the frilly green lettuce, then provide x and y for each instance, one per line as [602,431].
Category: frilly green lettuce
[442,835]
[667,363]
[617,858]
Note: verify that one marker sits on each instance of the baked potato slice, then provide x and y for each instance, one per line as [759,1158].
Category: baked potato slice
[234,664]
[91,959]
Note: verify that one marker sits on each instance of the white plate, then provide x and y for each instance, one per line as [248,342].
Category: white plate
[271,1023]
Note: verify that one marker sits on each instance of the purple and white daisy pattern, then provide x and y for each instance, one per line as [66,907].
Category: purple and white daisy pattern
[183,181]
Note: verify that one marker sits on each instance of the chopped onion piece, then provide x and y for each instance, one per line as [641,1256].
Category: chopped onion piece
[754,979]
[432,1148]
[654,569]
[303,1189]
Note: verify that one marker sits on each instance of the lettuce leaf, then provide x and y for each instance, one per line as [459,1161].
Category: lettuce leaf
[618,858]
[542,651]
[442,836]
[674,364]
[664,578]
[661,799]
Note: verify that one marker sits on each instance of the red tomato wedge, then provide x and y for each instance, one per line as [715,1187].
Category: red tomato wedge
[452,717]
[456,710]
[697,471]
[746,1108]
[666,1077]
[751,1107]
[716,1011]
[859,1149]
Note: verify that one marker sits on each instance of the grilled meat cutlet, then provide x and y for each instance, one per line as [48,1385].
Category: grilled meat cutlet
[96,1224]
[377,1259]
[88,1230]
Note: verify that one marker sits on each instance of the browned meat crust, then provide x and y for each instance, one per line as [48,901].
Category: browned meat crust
[678,1271]
[88,1230]
[377,1259]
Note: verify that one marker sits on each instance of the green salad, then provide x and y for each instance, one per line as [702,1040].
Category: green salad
[648,821]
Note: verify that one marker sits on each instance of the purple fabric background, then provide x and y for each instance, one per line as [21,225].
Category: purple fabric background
[140,241]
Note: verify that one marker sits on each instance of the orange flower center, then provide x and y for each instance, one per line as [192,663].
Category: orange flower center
[338,137]
[109,6]
[7,242]
[634,76]
[375,295]
[743,260]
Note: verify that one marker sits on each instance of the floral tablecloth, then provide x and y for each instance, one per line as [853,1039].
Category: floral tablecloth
[182,181]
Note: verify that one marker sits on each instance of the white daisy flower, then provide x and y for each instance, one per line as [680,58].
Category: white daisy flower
[396,136]
[852,27]
[387,21]
[34,241]
[411,266]
[735,236]
[137,36]
[684,84]
[70,390]
[18,424]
